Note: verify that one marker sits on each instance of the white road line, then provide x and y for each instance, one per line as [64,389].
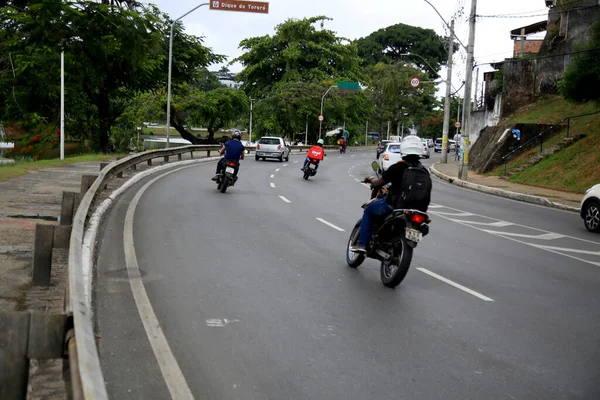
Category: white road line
[357,180]
[295,162]
[545,236]
[174,378]
[436,206]
[277,170]
[459,214]
[284,199]
[272,184]
[353,155]
[272,176]
[456,285]
[578,251]
[284,165]
[337,228]
[498,224]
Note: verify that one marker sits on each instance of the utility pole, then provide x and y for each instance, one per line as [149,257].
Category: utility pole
[476,88]
[466,142]
[62,105]
[367,134]
[448,91]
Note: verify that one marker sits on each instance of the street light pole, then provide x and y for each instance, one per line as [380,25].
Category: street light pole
[170,67]
[306,132]
[447,99]
[322,100]
[466,142]
[250,129]
[62,105]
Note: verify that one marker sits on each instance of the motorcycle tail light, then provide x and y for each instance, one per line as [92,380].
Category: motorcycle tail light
[232,164]
[417,218]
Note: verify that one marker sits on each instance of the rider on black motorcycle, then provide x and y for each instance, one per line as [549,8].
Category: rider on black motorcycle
[234,150]
[316,152]
[380,207]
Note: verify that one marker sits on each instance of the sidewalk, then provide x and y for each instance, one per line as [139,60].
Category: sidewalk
[500,187]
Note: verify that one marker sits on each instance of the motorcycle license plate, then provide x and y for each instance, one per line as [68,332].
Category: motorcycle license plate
[413,235]
[312,166]
[229,170]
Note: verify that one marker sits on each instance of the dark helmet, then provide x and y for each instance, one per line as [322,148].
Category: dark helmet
[236,134]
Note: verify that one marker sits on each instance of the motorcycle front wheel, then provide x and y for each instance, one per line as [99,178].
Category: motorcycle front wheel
[395,269]
[353,259]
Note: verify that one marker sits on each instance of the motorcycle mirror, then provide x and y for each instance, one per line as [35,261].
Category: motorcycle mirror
[375,166]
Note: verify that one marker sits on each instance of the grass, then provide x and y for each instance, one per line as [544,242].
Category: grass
[550,110]
[20,168]
[524,156]
[574,169]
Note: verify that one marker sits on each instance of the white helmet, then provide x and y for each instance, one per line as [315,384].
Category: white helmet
[410,146]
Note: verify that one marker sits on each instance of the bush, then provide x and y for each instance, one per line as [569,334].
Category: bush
[581,80]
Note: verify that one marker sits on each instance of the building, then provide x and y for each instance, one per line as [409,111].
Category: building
[228,79]
[524,46]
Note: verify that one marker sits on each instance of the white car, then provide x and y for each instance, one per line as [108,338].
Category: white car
[426,153]
[390,155]
[590,209]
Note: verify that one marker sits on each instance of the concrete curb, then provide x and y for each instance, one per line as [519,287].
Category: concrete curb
[526,198]
[89,240]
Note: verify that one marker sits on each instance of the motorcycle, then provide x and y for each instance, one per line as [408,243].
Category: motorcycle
[226,177]
[394,239]
[311,168]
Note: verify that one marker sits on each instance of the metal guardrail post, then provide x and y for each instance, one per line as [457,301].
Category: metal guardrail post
[569,127]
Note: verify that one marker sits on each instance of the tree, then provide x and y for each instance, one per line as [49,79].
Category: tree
[395,100]
[214,110]
[297,52]
[206,80]
[386,45]
[110,52]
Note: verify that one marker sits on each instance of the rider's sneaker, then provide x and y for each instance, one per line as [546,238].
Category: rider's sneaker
[215,178]
[358,249]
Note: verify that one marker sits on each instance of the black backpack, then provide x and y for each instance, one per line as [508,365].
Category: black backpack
[416,188]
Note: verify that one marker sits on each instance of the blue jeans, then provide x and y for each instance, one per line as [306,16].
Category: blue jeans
[308,160]
[378,208]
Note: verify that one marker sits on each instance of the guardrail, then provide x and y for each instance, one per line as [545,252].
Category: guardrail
[87,381]
[540,136]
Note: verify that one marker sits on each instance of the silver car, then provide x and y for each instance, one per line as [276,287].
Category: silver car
[272,147]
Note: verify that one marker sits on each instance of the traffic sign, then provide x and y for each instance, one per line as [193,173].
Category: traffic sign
[457,124]
[321,118]
[415,82]
[240,5]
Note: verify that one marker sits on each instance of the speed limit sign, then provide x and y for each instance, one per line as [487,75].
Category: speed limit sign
[415,82]
[321,118]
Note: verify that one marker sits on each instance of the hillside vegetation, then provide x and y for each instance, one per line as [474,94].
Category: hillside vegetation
[573,169]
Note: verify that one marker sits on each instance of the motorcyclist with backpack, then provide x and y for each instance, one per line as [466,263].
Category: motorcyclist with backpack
[410,189]
[316,153]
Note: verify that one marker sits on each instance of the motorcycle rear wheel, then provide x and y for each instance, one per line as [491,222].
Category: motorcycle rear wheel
[394,271]
[354,260]
[224,184]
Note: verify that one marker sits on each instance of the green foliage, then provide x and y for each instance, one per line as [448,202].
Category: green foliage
[394,98]
[297,52]
[386,45]
[581,80]
[110,53]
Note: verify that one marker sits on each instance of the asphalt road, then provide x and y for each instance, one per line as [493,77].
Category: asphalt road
[246,295]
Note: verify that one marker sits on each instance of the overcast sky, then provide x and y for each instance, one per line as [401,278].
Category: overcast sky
[223,30]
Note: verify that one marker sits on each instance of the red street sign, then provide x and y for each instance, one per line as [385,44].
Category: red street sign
[457,124]
[415,82]
[239,5]
[321,118]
